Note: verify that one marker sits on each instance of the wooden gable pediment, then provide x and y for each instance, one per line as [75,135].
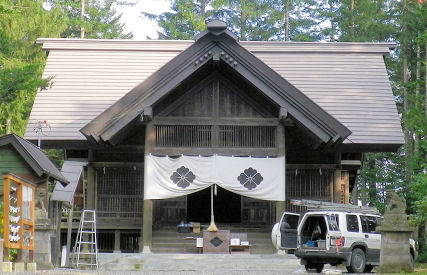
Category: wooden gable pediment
[214,96]
[216,48]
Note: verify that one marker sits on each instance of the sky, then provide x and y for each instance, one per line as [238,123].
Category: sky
[141,28]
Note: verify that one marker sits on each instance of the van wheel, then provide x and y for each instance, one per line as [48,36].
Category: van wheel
[368,268]
[358,261]
[311,267]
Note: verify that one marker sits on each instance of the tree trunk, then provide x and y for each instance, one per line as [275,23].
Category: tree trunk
[417,92]
[203,9]
[352,20]
[407,133]
[8,126]
[82,15]
[286,19]
[242,20]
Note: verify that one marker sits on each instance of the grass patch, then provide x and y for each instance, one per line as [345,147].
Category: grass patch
[137,266]
[421,265]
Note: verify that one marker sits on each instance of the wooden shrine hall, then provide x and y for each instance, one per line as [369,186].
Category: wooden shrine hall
[156,123]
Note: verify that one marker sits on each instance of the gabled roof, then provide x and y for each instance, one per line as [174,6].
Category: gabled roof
[35,158]
[347,79]
[217,44]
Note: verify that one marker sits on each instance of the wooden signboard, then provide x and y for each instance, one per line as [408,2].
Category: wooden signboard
[19,204]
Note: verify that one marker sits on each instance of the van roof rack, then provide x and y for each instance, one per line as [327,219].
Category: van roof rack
[313,205]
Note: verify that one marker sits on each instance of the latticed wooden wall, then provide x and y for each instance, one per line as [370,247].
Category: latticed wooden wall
[310,184]
[120,192]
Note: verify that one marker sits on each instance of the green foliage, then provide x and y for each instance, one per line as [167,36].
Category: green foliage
[186,20]
[57,156]
[100,20]
[422,258]
[13,255]
[249,19]
[380,173]
[21,61]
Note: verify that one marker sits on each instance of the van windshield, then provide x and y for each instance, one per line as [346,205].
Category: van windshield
[333,222]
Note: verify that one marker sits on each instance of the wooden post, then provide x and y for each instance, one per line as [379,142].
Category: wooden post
[147,226]
[280,208]
[90,204]
[57,259]
[280,138]
[147,212]
[337,182]
[345,186]
[69,229]
[341,186]
[117,242]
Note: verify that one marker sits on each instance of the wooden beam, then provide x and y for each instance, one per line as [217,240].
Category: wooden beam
[257,152]
[311,166]
[219,121]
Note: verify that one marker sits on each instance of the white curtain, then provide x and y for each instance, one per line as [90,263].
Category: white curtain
[259,178]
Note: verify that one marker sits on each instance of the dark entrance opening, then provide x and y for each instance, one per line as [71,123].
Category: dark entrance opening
[227,206]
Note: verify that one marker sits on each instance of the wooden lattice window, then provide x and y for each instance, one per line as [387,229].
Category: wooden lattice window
[183,135]
[247,136]
[231,136]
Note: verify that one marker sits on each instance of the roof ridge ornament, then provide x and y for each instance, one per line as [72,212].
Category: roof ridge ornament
[216,27]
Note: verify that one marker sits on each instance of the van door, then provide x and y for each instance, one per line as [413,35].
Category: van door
[372,237]
[288,230]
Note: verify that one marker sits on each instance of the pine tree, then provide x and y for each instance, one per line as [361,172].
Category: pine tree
[100,19]
[186,20]
[21,61]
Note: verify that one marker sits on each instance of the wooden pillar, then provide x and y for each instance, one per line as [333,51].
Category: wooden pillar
[147,226]
[69,229]
[91,183]
[280,208]
[341,186]
[58,215]
[345,187]
[147,211]
[117,242]
[281,148]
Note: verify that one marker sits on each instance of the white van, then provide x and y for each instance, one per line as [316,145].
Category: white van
[340,237]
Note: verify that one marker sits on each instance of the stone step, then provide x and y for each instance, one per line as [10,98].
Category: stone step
[170,241]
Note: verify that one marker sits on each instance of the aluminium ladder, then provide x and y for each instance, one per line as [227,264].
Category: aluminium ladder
[86,238]
[313,205]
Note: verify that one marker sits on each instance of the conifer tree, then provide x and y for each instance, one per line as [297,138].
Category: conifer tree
[21,61]
[100,19]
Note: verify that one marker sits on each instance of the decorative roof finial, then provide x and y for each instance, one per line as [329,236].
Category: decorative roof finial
[216,25]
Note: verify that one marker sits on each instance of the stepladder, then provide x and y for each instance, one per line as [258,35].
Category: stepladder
[85,251]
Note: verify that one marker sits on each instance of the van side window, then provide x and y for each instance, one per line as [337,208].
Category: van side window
[369,224]
[333,222]
[352,223]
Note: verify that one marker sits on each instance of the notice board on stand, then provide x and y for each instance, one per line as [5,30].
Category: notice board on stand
[18,221]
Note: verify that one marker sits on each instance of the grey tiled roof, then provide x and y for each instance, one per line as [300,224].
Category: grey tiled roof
[72,170]
[35,157]
[347,80]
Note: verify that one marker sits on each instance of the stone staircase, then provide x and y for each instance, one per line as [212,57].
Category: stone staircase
[168,240]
